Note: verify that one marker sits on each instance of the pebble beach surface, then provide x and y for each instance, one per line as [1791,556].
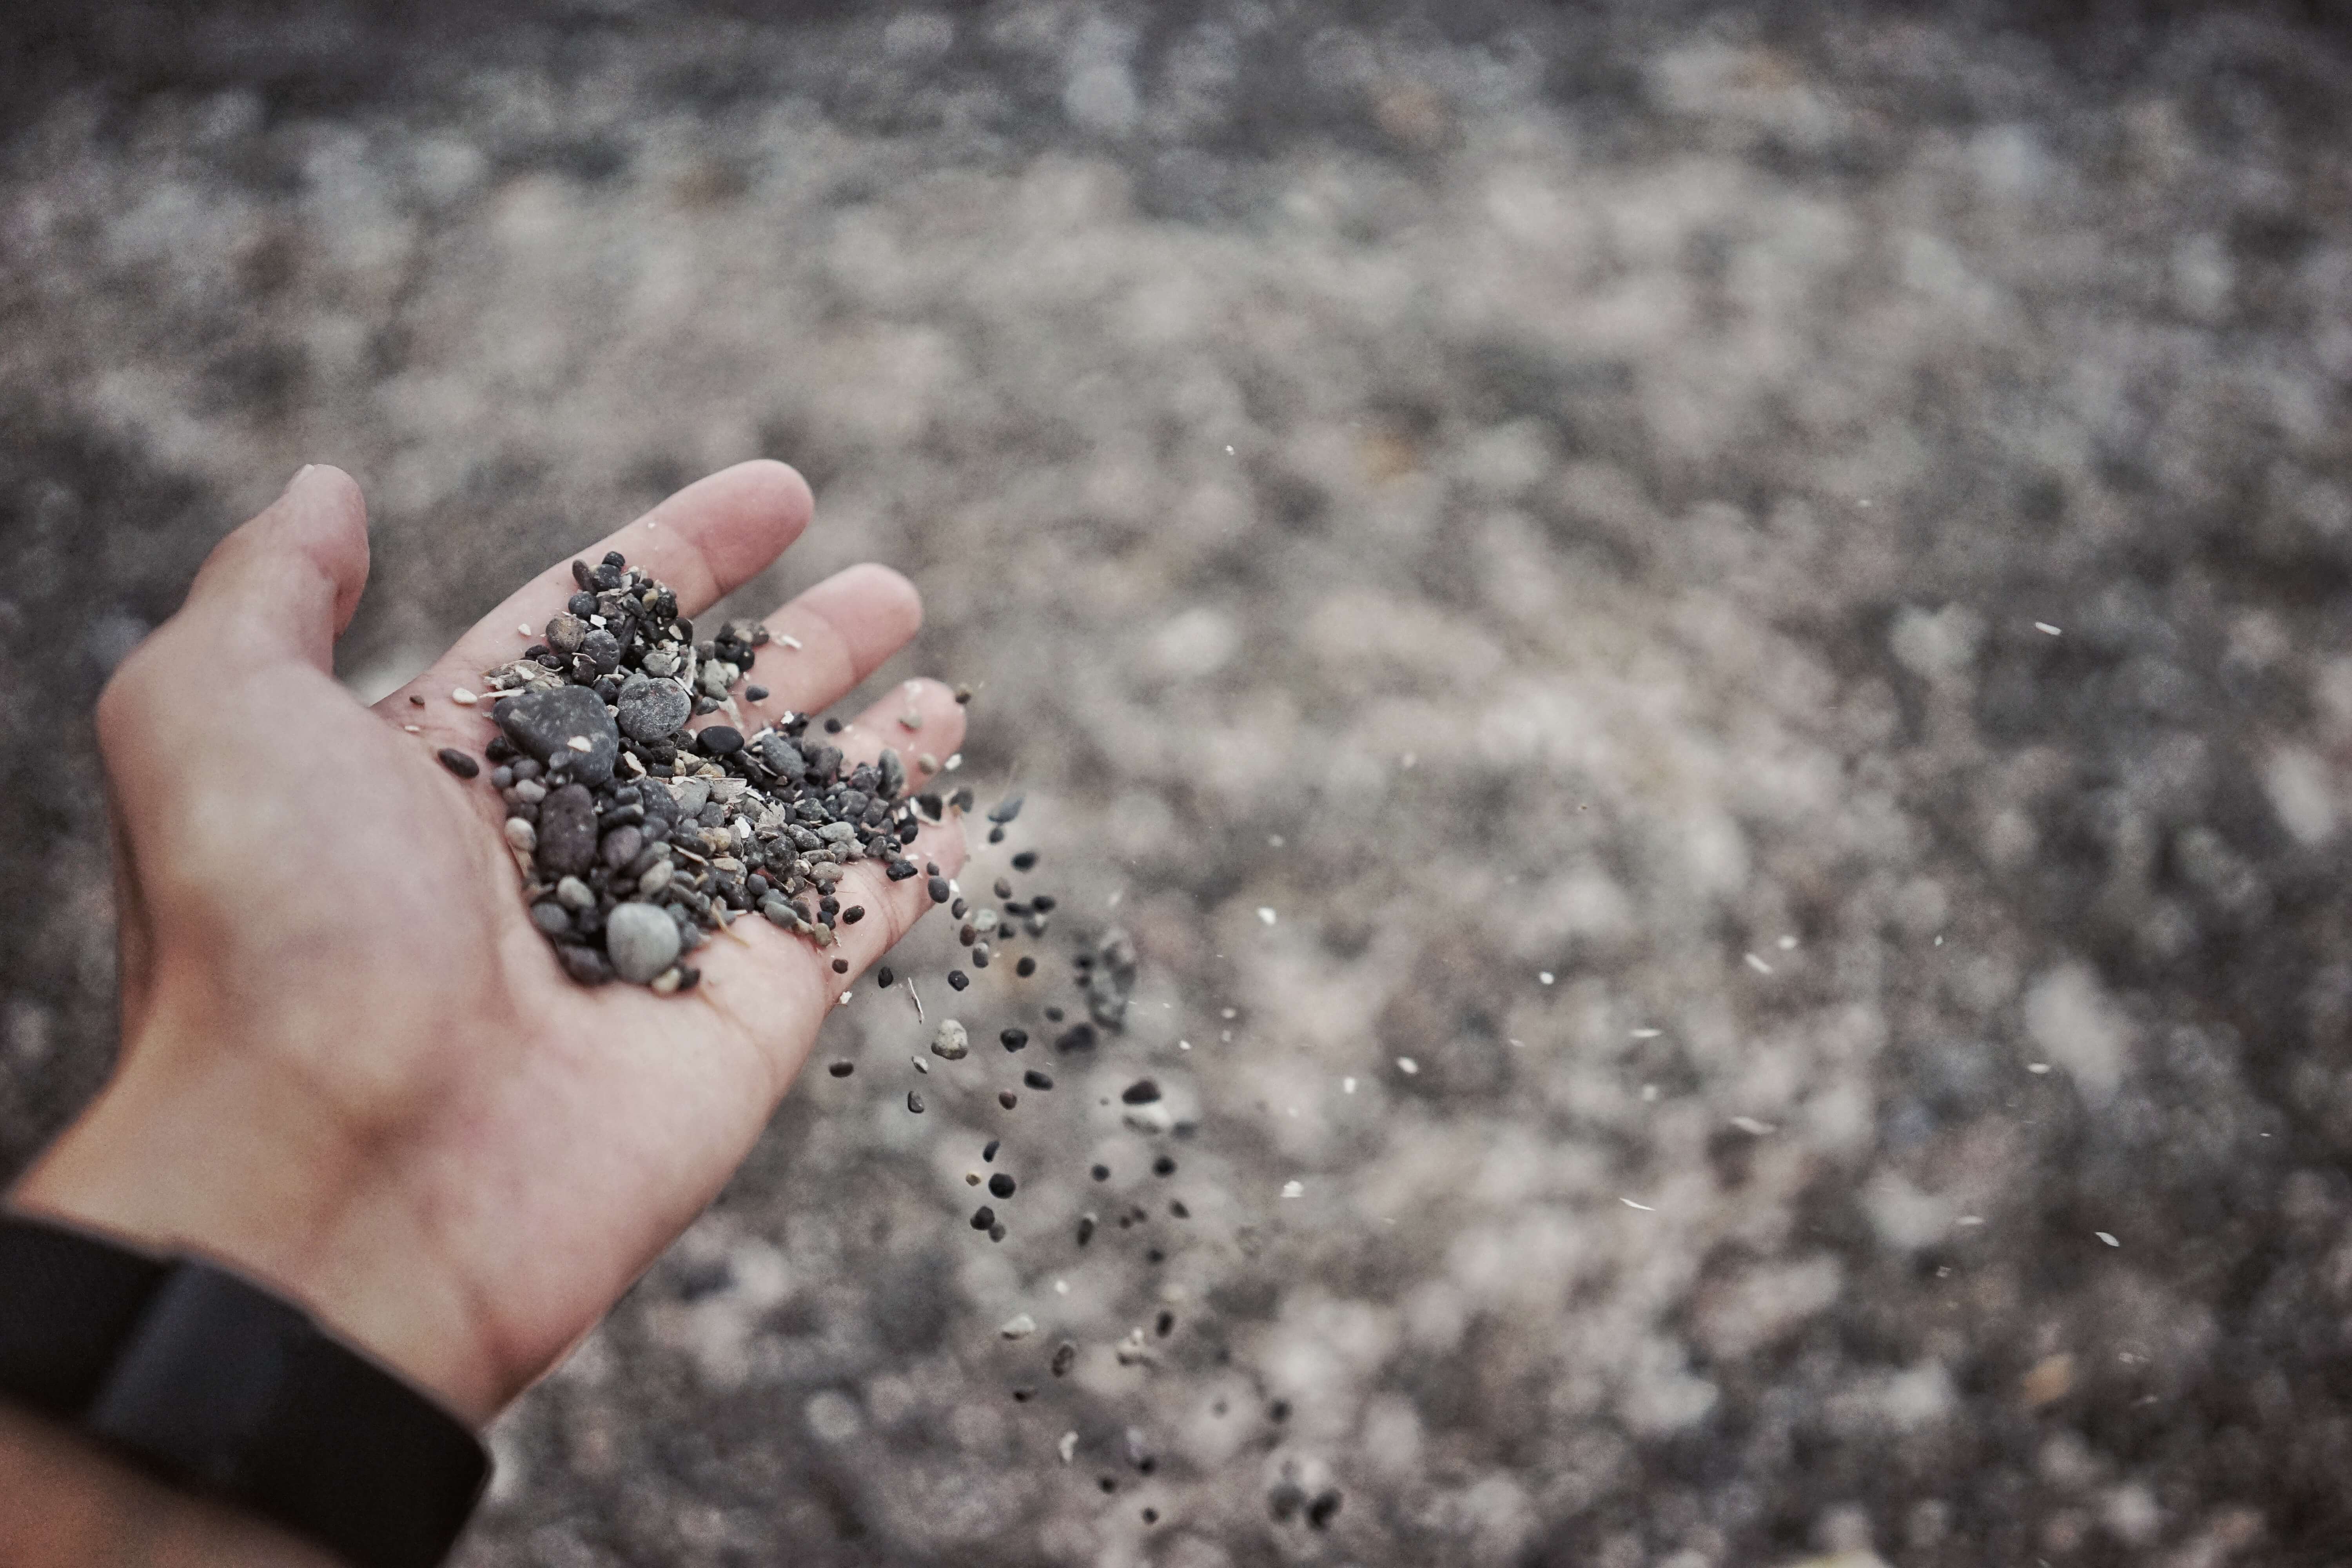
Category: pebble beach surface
[1692,659]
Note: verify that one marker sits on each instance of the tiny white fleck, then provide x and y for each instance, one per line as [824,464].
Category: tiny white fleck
[1649,1094]
[789,641]
[2110,1240]
[524,626]
[1412,758]
[1544,975]
[413,729]
[1184,1044]
[1788,944]
[1061,1287]
[1264,914]
[2046,629]
[1970,1219]
[596,620]
[1752,1127]
[1940,941]
[1226,1036]
[1112,902]
[1229,451]
[462,698]
[1407,1066]
[2037,1067]
[955,761]
[1521,1044]
[845,998]
[1293,1189]
[581,743]
[1648,1033]
[1631,1205]
[1293,1113]
[1758,966]
[1230,1012]
[1068,1447]
[1348,1086]
[1274,839]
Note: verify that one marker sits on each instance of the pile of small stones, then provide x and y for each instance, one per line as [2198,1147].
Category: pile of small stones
[637,836]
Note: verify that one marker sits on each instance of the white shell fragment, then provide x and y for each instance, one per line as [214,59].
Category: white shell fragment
[1020,1326]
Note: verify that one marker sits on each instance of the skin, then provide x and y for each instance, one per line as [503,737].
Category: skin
[350,1065]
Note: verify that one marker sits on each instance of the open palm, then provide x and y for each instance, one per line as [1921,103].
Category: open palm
[351,1065]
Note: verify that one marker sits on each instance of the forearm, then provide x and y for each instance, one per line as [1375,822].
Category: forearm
[66,1503]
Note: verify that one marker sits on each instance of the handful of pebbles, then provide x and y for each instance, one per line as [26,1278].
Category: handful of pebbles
[636,835]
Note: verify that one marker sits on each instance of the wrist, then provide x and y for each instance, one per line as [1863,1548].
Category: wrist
[209,1153]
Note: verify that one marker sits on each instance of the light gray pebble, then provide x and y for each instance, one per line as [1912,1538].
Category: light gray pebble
[573,894]
[952,1042]
[530,792]
[651,710]
[691,794]
[641,940]
[657,878]
[521,835]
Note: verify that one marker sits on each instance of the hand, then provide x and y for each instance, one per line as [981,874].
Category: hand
[349,1065]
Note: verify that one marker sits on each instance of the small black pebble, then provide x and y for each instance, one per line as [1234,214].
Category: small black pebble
[1151,1516]
[996,1231]
[957,980]
[1164,1166]
[718,740]
[996,835]
[756,693]
[832,726]
[841,966]
[1086,1229]
[982,1217]
[1042,903]
[1279,1410]
[1165,1325]
[1023,1396]
[1065,1355]
[414,701]
[1176,1206]
[883,979]
[1108,1483]
[999,1185]
[1026,967]
[1007,1099]
[1155,1256]
[914,1102]
[1320,1511]
[458,762]
[1036,1080]
[1053,1014]
[938,888]
[988,1153]
[853,914]
[1014,1039]
[1147,1463]
[956,910]
[1142,1091]
[900,870]
[842,1069]
[1101,1172]
[1025,861]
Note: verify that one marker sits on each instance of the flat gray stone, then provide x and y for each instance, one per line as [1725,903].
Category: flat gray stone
[543,723]
[641,940]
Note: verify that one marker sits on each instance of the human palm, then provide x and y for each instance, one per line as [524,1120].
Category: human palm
[351,1065]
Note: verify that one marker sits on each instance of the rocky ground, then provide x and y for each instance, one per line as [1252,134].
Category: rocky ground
[1759,592]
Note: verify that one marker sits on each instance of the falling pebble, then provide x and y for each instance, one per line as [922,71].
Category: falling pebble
[1788,944]
[1068,1447]
[1649,1094]
[1184,1044]
[1752,1127]
[914,1102]
[1265,914]
[2037,1067]
[1407,1066]
[2110,1240]
[462,698]
[845,998]
[1648,1033]
[1411,758]
[1347,1086]
[1294,1189]
[1545,976]
[1273,840]
[1970,1219]
[2046,629]
[1061,1287]
[1521,1044]
[1020,1326]
[524,628]
[1758,966]
[1631,1205]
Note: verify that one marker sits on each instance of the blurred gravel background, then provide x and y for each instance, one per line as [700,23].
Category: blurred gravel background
[1513,491]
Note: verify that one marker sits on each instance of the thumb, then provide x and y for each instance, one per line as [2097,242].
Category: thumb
[284,586]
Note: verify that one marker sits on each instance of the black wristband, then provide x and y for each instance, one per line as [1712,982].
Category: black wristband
[219,1385]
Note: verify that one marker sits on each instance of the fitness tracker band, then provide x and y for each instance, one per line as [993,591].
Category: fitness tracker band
[219,1385]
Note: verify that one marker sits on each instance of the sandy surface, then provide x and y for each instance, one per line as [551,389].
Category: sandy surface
[1554,508]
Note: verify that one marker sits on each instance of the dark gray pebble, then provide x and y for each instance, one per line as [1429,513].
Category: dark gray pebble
[1164,1166]
[1100,1173]
[622,845]
[718,740]
[1066,1356]
[914,1102]
[541,722]
[567,831]
[1142,1091]
[957,980]
[999,1185]
[853,914]
[585,964]
[1026,967]
[1013,1039]
[1025,861]
[1324,1509]
[1006,810]
[883,978]
[842,1069]
[1036,1080]
[982,1217]
[458,762]
[552,917]
[1007,1099]
[900,870]
[988,1152]
[938,887]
